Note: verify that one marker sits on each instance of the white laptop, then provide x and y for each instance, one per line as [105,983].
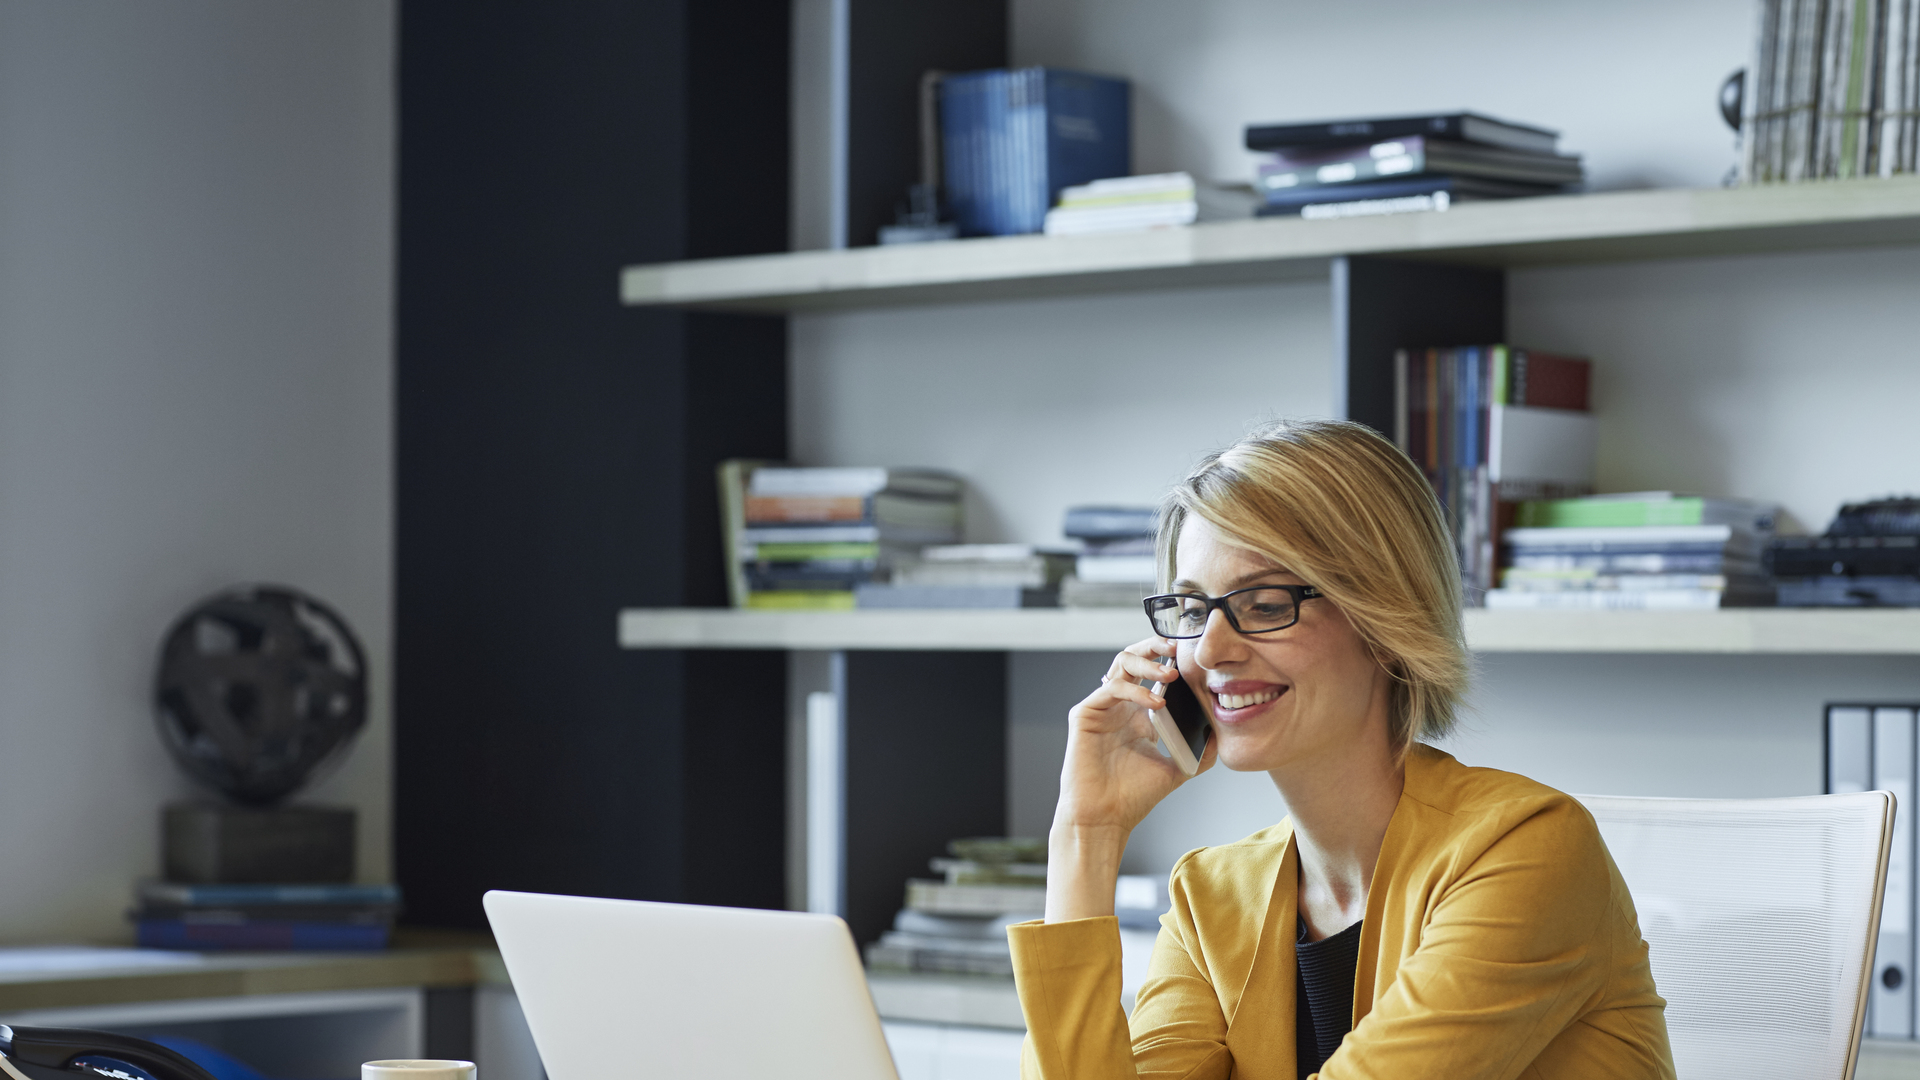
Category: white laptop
[631,988]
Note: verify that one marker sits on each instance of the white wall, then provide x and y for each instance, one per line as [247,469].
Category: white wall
[1788,377]
[196,218]
[1044,404]
[1632,84]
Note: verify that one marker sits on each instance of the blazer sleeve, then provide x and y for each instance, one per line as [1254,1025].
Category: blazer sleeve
[1068,975]
[1511,953]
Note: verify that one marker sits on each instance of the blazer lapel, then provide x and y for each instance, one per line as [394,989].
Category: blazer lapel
[1260,1021]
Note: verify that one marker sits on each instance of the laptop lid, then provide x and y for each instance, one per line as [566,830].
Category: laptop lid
[632,988]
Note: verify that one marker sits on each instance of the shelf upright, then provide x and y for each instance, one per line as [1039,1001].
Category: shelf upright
[1380,305]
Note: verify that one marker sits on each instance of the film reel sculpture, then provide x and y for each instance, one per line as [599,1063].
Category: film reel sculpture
[259,688]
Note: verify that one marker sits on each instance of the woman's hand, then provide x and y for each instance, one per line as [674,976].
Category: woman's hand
[1114,774]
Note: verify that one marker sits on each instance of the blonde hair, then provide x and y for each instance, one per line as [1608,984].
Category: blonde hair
[1347,512]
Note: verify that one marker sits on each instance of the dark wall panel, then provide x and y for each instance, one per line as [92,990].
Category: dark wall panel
[926,762]
[890,45]
[556,450]
[1384,304]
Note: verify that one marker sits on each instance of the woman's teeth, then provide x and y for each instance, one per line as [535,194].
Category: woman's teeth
[1244,701]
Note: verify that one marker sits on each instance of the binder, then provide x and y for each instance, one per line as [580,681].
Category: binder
[1869,747]
[1890,1003]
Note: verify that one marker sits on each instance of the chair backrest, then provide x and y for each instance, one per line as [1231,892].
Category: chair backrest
[1760,917]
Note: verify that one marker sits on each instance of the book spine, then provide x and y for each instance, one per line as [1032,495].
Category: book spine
[1400,400]
[1609,513]
[1756,95]
[939,898]
[1604,600]
[1907,90]
[780,509]
[1547,381]
[167,892]
[1890,1002]
[300,936]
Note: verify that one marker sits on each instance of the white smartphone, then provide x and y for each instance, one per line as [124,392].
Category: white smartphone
[1182,725]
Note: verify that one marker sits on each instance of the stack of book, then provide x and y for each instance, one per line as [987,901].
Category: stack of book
[1491,427]
[1125,203]
[972,576]
[169,915]
[1650,550]
[1347,168]
[1832,91]
[1868,557]
[1115,567]
[810,537]
[958,923]
[1011,140]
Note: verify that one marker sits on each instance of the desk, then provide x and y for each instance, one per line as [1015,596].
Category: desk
[290,1014]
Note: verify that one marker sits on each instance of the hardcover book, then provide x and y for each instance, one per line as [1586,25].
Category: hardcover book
[1461,126]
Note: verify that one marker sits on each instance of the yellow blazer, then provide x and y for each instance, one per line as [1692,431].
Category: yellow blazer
[1499,942]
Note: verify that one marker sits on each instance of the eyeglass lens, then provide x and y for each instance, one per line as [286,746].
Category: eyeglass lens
[1254,610]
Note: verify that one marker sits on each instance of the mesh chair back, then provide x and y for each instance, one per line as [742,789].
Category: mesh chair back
[1760,917]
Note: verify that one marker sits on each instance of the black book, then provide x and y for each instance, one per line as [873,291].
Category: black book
[1464,126]
[1413,156]
[1455,188]
[1855,556]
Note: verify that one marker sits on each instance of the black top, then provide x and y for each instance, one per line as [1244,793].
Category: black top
[1323,1011]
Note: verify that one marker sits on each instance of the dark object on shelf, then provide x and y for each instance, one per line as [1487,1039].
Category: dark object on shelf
[1013,139]
[1845,556]
[1410,156]
[1867,591]
[40,1053]
[1733,98]
[919,221]
[1881,517]
[258,687]
[1869,557]
[212,844]
[1464,126]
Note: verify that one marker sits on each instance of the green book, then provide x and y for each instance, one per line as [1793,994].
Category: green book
[1615,513]
[811,552]
[800,600]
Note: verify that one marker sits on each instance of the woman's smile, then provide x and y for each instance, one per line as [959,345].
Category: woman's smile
[1242,699]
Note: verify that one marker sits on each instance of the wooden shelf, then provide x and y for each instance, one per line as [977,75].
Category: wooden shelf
[217,975]
[1553,229]
[1750,630]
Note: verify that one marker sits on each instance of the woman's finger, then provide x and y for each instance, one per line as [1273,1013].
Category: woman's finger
[1156,669]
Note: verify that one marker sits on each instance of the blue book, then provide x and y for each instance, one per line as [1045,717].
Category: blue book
[259,934]
[1014,139]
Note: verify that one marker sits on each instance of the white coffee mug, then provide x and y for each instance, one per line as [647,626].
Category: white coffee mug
[417,1070]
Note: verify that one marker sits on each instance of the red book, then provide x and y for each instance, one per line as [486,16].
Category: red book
[1549,381]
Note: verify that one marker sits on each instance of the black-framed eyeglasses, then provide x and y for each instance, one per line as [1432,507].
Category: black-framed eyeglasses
[1259,610]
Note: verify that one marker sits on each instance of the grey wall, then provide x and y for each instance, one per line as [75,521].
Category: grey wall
[1631,83]
[195,291]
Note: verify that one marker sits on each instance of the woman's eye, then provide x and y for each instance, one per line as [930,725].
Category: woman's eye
[1267,611]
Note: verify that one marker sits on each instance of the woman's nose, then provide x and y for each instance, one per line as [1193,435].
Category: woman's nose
[1219,643]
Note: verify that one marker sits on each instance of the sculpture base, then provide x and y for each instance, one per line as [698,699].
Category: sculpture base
[208,844]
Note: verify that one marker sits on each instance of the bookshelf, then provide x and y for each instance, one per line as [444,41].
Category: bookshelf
[1749,631]
[1629,225]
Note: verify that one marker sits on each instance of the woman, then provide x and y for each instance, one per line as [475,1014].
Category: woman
[1412,917]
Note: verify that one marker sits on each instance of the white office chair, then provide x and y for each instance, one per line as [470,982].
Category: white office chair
[1761,916]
